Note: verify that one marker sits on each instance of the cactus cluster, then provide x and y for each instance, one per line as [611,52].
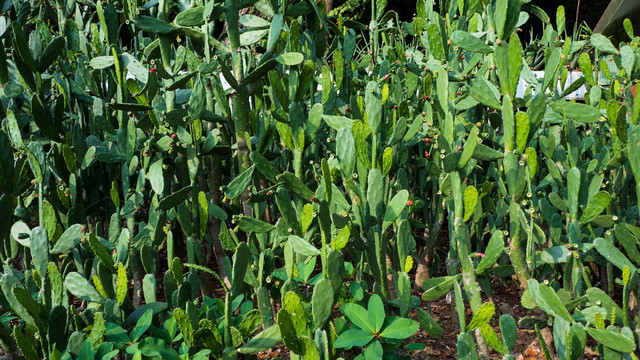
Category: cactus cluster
[209,179]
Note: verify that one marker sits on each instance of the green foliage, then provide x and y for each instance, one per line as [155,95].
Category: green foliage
[305,157]
[371,327]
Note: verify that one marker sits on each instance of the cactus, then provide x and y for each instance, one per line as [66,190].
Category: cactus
[122,284]
[289,332]
[98,329]
[149,288]
[204,338]
[612,339]
[39,244]
[56,283]
[77,285]
[482,316]
[184,324]
[509,331]
[429,324]
[427,129]
[466,347]
[322,302]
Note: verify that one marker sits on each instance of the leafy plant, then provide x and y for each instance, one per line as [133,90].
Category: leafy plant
[374,330]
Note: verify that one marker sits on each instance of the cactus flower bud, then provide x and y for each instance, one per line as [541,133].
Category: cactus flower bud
[152,70]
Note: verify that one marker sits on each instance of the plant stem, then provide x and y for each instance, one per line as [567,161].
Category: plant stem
[241,104]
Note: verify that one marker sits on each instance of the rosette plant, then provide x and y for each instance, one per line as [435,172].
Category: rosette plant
[372,328]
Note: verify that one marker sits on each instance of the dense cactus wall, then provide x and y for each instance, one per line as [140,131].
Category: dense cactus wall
[211,179]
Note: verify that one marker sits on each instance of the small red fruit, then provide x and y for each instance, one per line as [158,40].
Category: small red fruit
[409,203]
[426,154]
[152,70]
[314,199]
[173,136]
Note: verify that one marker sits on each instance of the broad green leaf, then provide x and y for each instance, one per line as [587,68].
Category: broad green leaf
[358,316]
[376,312]
[143,324]
[398,328]
[353,337]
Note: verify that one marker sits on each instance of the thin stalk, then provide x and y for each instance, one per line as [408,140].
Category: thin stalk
[227,321]
[515,249]
[461,234]
[40,204]
[240,105]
